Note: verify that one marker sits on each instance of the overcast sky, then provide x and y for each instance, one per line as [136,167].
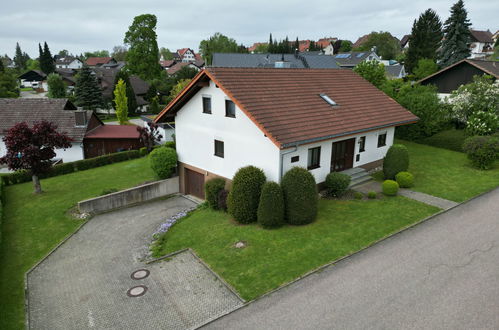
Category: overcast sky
[80,26]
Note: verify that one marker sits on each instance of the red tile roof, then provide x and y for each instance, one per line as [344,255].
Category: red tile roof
[97,60]
[167,63]
[482,36]
[114,132]
[286,104]
[182,51]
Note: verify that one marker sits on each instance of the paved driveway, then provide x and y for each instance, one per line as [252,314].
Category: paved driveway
[442,274]
[84,283]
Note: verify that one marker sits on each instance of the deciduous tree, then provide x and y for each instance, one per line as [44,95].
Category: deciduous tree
[120,101]
[457,36]
[32,148]
[165,53]
[8,83]
[130,93]
[218,43]
[143,54]
[57,87]
[387,46]
[119,53]
[149,135]
[372,71]
[425,68]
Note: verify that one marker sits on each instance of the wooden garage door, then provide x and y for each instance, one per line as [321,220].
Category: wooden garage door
[194,183]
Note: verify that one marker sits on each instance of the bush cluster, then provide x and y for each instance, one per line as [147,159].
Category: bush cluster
[483,151]
[358,195]
[271,207]
[390,187]
[212,190]
[245,194]
[371,195]
[300,196]
[395,161]
[66,168]
[337,184]
[222,199]
[405,179]
[163,162]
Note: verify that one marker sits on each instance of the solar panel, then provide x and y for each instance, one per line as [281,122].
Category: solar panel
[343,56]
[360,55]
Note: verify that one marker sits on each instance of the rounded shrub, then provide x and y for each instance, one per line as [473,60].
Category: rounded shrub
[245,194]
[222,199]
[371,195]
[163,162]
[337,183]
[271,207]
[395,161]
[482,151]
[170,144]
[211,189]
[143,151]
[300,196]
[390,187]
[358,195]
[405,179]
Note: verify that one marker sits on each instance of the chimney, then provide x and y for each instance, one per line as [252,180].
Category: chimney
[80,118]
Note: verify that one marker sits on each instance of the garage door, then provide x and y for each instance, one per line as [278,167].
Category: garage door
[194,183]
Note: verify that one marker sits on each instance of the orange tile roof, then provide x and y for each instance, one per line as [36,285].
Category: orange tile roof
[98,60]
[114,132]
[286,104]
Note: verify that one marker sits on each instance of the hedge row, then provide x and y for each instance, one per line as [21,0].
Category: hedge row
[452,139]
[1,208]
[79,165]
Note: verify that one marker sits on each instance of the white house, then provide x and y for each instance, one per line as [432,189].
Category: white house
[68,62]
[320,119]
[482,44]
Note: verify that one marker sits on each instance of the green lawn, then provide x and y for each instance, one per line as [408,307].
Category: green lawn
[448,174]
[33,225]
[275,257]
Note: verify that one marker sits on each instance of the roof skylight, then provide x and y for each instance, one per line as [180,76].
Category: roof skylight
[329,100]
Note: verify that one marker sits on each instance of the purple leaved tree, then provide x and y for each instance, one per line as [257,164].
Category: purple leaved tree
[32,148]
[149,135]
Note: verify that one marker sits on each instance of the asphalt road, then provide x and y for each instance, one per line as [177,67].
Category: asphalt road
[442,274]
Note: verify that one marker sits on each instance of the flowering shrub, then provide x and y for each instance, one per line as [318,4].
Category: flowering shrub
[165,226]
[482,123]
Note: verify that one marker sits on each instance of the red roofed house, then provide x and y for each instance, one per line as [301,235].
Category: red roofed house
[320,119]
[482,44]
[107,139]
[99,61]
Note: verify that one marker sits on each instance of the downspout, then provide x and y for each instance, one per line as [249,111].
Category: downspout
[281,160]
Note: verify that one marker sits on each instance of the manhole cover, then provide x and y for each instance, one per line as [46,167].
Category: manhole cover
[137,291]
[140,274]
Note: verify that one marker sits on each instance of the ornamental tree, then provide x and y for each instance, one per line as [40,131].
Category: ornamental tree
[32,148]
[120,101]
[149,135]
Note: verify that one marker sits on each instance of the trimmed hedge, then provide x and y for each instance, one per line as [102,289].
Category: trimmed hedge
[66,168]
[337,183]
[271,207]
[390,187]
[483,151]
[395,161]
[405,179]
[170,144]
[212,188]
[452,139]
[300,196]
[245,194]
[163,162]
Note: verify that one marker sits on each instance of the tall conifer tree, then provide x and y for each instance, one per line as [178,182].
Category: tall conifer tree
[457,36]
[87,91]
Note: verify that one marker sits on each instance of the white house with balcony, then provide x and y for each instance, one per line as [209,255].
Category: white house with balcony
[321,119]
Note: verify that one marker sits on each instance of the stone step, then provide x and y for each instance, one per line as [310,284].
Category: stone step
[356,182]
[359,175]
[352,171]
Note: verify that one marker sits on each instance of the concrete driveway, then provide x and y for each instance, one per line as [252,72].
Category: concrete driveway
[442,274]
[84,283]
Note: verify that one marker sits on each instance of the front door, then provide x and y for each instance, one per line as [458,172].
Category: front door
[194,183]
[342,155]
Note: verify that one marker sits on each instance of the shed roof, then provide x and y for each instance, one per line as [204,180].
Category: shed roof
[114,132]
[488,67]
[482,36]
[286,103]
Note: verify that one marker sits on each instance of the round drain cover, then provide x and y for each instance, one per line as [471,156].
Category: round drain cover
[140,274]
[137,291]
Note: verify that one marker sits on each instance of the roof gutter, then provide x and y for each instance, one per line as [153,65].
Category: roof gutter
[295,144]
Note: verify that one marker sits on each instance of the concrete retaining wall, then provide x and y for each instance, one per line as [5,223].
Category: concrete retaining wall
[130,196]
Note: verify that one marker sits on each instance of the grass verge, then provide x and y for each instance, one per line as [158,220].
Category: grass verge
[275,257]
[34,224]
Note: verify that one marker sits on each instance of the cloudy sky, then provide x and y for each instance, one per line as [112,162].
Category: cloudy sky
[80,26]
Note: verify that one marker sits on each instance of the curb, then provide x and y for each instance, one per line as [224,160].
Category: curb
[331,263]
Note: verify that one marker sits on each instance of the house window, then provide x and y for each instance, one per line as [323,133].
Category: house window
[219,148]
[230,109]
[206,104]
[362,144]
[295,159]
[314,158]
[382,140]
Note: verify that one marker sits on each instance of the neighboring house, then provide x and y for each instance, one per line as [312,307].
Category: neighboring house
[303,60]
[404,42]
[198,65]
[461,73]
[482,44]
[108,139]
[186,55]
[58,111]
[68,62]
[34,78]
[396,71]
[321,119]
[167,64]
[140,88]
[349,60]
[495,36]
[68,76]
[7,61]
[99,61]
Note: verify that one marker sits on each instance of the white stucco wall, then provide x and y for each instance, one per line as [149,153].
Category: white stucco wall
[244,143]
[371,153]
